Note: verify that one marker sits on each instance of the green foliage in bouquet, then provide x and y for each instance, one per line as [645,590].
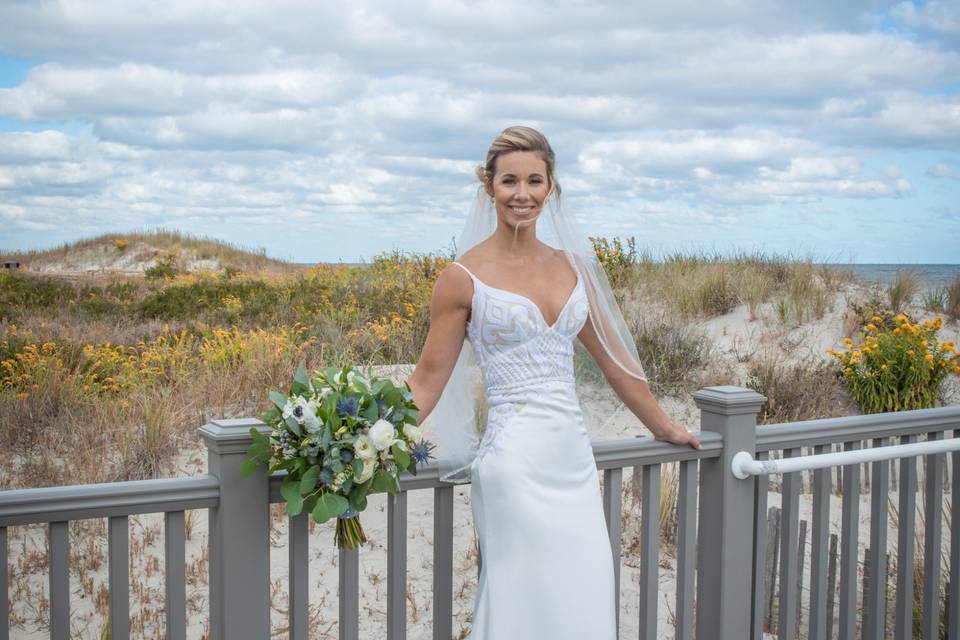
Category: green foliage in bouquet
[339,436]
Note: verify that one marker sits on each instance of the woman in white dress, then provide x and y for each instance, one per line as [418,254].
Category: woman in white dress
[513,305]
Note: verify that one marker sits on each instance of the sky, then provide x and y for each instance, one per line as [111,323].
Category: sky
[324,131]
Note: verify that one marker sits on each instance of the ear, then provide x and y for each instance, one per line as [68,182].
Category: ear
[488,187]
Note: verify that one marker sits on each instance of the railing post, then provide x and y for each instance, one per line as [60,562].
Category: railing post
[239,542]
[725,548]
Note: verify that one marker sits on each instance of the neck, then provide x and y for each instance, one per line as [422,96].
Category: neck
[520,240]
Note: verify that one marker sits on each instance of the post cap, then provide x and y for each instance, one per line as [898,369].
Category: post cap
[231,435]
[729,400]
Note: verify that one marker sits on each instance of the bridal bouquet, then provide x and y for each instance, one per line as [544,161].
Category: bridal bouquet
[339,436]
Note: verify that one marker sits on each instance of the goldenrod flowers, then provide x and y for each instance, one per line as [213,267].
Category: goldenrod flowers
[897,367]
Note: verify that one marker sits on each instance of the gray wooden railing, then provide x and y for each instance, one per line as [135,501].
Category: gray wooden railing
[720,538]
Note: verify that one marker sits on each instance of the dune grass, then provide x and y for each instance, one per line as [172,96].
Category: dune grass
[131,366]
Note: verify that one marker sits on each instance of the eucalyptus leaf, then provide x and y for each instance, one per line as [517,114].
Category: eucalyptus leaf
[402,458]
[294,426]
[290,490]
[329,505]
[381,481]
[301,383]
[309,480]
[248,467]
[279,399]
[358,501]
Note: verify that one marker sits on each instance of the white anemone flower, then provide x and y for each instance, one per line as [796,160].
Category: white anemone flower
[304,412]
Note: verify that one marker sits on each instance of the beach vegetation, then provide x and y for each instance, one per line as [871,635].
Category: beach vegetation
[897,364]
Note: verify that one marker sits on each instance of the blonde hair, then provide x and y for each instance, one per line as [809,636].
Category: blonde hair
[520,138]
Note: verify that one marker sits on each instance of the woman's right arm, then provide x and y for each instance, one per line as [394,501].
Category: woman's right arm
[449,310]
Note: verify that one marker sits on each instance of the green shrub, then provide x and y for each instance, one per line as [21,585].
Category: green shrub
[896,368]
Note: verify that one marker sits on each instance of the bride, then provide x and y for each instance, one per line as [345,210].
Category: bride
[503,318]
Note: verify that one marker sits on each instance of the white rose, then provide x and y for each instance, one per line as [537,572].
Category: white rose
[363,448]
[369,466]
[412,431]
[382,434]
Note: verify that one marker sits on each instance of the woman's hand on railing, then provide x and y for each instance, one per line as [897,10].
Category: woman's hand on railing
[678,434]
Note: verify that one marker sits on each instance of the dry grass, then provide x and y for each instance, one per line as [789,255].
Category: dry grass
[227,255]
[796,392]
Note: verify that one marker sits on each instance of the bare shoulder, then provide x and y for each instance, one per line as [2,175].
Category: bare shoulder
[453,288]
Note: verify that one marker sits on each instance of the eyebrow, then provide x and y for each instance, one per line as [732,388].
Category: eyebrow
[532,175]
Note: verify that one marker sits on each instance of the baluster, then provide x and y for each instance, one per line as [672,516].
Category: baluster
[397,566]
[757,608]
[298,554]
[953,614]
[442,563]
[686,548]
[59,580]
[4,581]
[174,557]
[849,529]
[932,542]
[787,618]
[612,505]
[903,607]
[875,599]
[349,594]
[649,550]
[819,539]
[118,545]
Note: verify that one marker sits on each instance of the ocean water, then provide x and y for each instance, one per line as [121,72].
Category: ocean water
[932,276]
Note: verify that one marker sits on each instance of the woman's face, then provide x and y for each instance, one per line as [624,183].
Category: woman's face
[520,186]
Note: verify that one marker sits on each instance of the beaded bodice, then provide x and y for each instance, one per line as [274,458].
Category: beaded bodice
[516,349]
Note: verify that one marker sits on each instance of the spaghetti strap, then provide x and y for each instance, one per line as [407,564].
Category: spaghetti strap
[465,269]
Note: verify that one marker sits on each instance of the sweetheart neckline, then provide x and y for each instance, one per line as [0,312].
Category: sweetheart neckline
[532,303]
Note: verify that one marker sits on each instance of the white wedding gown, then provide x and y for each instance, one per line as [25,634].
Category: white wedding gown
[547,568]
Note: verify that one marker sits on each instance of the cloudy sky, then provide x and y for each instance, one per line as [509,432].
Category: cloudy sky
[335,131]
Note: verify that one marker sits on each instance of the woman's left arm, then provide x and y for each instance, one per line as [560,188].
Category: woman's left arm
[635,393]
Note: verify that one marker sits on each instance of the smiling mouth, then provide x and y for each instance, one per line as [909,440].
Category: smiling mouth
[520,211]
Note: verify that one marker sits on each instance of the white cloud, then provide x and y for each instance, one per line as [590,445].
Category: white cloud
[291,113]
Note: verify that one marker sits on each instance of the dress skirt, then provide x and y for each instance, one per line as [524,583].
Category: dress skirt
[547,567]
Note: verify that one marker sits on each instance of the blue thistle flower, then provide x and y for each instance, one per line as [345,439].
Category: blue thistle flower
[420,451]
[347,406]
[326,476]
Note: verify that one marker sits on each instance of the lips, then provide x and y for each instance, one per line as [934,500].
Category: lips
[520,211]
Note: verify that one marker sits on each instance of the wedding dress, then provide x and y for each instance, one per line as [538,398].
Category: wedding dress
[547,568]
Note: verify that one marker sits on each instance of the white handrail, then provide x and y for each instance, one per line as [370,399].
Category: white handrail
[743,465]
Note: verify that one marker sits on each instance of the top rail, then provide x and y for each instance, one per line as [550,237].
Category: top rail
[743,465]
[609,454]
[808,433]
[78,502]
